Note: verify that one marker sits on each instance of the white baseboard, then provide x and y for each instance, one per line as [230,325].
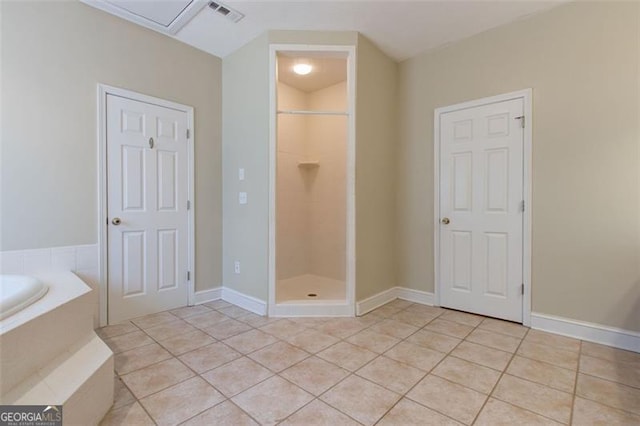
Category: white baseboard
[597,333]
[416,296]
[244,301]
[205,296]
[377,300]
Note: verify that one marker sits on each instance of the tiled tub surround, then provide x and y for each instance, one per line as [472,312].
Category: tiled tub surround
[50,354]
[401,364]
[83,260]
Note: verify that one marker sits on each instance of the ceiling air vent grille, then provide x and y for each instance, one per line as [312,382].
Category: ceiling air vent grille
[226,11]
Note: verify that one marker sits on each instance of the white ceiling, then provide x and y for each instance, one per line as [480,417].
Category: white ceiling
[400,28]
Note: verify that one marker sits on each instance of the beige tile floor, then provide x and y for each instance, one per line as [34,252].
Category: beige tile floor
[402,364]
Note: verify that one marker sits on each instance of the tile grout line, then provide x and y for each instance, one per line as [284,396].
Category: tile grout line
[353,373]
[429,372]
[317,397]
[380,319]
[524,379]
[196,374]
[502,373]
[274,374]
[463,339]
[350,373]
[119,376]
[575,384]
[604,379]
[281,340]
[278,374]
[243,411]
[136,399]
[578,373]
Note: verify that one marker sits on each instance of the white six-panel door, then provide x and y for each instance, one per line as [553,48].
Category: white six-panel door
[481,209]
[147,191]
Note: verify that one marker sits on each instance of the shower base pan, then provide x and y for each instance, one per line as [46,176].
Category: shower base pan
[311,295]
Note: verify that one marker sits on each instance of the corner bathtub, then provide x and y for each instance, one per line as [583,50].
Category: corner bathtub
[49,352]
[17,292]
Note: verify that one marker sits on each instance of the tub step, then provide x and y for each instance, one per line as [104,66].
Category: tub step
[81,379]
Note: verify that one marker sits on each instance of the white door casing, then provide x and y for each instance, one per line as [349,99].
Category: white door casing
[147,192]
[482,185]
[320,309]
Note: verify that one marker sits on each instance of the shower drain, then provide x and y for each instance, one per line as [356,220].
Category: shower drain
[312,295]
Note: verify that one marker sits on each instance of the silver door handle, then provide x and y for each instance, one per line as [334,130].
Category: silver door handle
[116,221]
[445,220]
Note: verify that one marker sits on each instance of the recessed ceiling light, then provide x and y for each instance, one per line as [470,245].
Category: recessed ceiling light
[302,69]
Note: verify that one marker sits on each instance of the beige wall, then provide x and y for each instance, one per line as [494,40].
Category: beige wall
[245,143]
[53,56]
[376,151]
[581,60]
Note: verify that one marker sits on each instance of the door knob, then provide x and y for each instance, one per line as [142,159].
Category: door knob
[116,221]
[445,220]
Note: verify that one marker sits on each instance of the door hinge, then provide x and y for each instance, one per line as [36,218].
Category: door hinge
[522,119]
[522,288]
[188,275]
[188,134]
[522,205]
[188,204]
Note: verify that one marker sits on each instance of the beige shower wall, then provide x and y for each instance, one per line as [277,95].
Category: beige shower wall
[311,202]
[293,193]
[582,62]
[327,139]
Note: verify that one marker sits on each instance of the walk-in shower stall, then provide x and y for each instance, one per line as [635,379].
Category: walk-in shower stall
[312,197]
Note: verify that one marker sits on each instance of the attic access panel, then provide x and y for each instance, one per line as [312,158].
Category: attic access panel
[165,16]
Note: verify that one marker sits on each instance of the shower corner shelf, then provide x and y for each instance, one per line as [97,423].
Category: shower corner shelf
[308,164]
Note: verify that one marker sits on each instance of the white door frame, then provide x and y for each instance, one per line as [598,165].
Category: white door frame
[319,309]
[526,96]
[103,91]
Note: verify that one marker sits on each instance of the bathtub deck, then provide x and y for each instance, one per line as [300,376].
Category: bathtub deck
[52,356]
[63,288]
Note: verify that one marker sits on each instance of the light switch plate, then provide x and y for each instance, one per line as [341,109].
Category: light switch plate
[242,197]
[241,174]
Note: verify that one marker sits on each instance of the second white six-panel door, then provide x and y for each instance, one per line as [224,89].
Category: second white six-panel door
[481,218]
[147,192]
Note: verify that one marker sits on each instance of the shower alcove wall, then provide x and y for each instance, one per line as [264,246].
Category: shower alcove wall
[312,196]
